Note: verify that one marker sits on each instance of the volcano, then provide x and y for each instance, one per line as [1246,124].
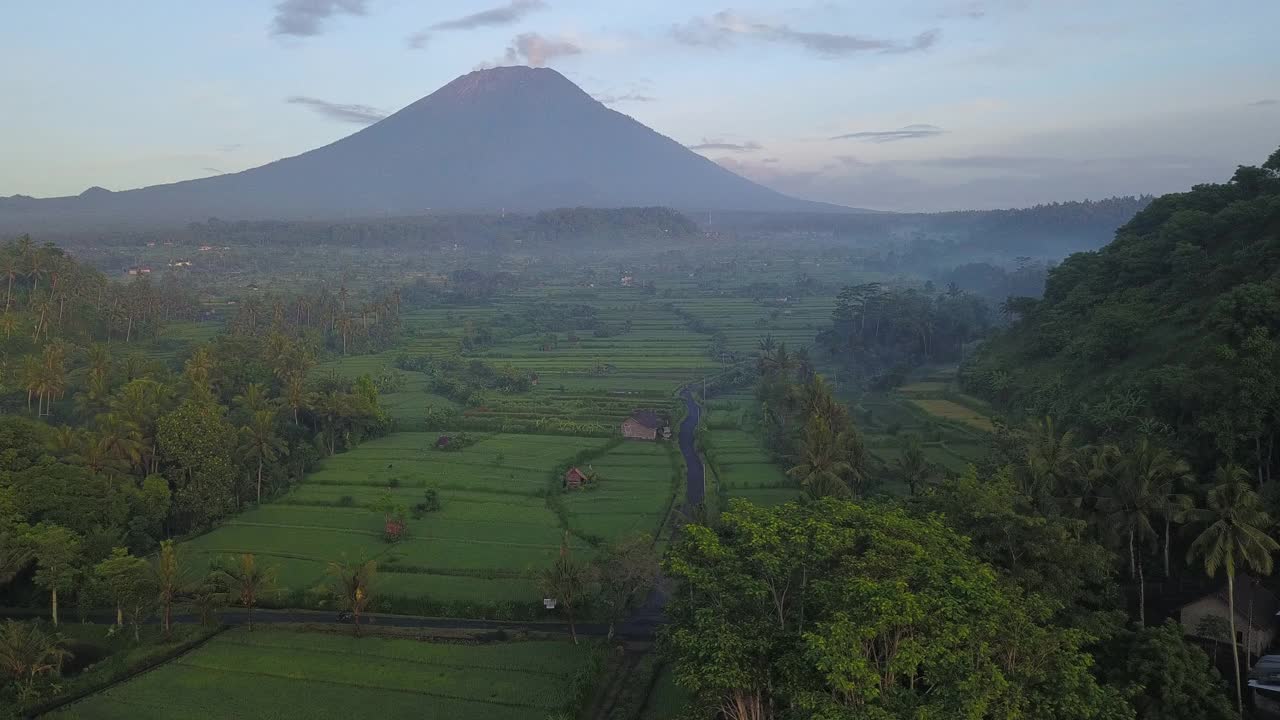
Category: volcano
[508,138]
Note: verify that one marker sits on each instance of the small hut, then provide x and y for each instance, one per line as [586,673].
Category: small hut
[575,479]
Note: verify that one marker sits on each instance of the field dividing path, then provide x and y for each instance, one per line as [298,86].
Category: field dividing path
[695,485]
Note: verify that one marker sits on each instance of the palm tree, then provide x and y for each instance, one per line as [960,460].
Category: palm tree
[15,554]
[1052,461]
[98,357]
[119,441]
[295,394]
[27,652]
[1129,504]
[261,441]
[1235,536]
[199,366]
[1165,474]
[912,466]
[253,400]
[245,581]
[10,266]
[170,579]
[351,584]
[821,467]
[564,582]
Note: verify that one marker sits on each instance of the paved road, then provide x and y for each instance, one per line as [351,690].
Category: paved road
[695,489]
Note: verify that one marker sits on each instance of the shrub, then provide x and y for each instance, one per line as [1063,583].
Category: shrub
[346,501]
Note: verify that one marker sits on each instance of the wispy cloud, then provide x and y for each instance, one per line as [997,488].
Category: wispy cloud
[512,12]
[611,99]
[910,132]
[717,144]
[1265,102]
[537,50]
[304,18]
[726,27]
[502,15]
[359,114]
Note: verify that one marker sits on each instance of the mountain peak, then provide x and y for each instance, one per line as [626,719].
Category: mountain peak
[519,138]
[510,80]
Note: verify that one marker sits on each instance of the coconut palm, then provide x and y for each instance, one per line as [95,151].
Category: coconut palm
[1235,536]
[244,581]
[27,652]
[351,583]
[253,400]
[564,582]
[1166,475]
[10,267]
[295,394]
[821,467]
[261,441]
[1129,504]
[912,467]
[1052,461]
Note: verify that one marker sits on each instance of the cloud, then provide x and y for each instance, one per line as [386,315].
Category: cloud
[214,170]
[502,15]
[304,18]
[537,50]
[512,12]
[716,144]
[1265,102]
[610,99]
[230,147]
[910,132]
[359,114]
[726,27]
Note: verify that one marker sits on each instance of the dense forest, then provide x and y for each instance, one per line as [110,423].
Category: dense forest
[554,227]
[1051,230]
[1169,331]
[879,333]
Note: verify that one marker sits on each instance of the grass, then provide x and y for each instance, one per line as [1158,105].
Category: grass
[632,496]
[287,673]
[948,410]
[493,533]
[666,700]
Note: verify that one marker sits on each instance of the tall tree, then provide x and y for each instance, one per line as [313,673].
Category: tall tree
[27,653]
[57,553]
[260,439]
[564,581]
[1235,537]
[129,583]
[171,580]
[352,585]
[624,570]
[245,581]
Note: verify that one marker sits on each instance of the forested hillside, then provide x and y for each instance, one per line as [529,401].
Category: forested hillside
[1171,329]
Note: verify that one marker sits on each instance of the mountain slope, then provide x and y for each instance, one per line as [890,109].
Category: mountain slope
[517,138]
[1176,321]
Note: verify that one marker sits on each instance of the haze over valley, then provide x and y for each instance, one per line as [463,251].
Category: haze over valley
[658,361]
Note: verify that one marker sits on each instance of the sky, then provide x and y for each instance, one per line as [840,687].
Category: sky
[886,104]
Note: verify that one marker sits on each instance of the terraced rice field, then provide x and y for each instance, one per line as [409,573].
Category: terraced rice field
[745,321]
[637,481]
[485,545]
[744,470]
[283,673]
[948,410]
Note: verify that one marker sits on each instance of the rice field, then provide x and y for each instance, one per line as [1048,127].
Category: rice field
[637,483]
[948,410]
[286,673]
[493,533]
